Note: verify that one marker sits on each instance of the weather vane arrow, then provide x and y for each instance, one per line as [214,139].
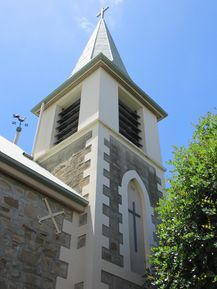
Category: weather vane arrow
[20,120]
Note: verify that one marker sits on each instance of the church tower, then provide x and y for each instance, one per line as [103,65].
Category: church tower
[98,134]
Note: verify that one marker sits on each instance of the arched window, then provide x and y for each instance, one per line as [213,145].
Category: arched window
[136,229]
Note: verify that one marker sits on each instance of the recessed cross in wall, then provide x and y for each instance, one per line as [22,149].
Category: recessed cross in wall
[51,216]
[133,212]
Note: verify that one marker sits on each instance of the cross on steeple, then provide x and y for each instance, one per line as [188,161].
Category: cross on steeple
[102,12]
[133,212]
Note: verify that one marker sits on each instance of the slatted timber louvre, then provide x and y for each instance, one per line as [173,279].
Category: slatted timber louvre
[67,123]
[129,124]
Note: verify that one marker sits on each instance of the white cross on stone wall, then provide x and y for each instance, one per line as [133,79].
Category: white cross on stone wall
[51,216]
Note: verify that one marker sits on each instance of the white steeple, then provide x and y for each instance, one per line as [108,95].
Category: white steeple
[98,134]
[100,42]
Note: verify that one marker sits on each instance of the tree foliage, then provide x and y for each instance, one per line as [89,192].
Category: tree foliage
[187,253]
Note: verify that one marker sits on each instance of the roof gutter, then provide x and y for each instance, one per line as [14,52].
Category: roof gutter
[41,183]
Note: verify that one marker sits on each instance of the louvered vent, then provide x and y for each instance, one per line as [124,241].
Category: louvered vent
[129,124]
[67,122]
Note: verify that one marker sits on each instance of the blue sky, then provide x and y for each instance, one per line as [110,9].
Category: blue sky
[169,48]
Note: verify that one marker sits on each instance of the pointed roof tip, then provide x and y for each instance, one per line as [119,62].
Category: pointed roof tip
[100,42]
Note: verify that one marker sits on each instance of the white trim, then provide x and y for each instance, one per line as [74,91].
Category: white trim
[51,151]
[147,213]
[88,128]
[38,128]
[133,147]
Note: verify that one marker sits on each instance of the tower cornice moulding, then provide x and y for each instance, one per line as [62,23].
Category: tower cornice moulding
[103,62]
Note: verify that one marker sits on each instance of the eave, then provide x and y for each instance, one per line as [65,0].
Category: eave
[103,62]
[40,183]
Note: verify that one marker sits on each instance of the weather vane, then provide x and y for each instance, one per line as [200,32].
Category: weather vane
[20,120]
[102,12]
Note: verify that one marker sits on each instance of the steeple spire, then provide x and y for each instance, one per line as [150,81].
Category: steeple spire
[100,42]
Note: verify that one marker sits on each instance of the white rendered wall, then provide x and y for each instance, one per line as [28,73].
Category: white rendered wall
[82,261]
[100,219]
[45,134]
[108,105]
[152,144]
[99,99]
[89,107]
[85,264]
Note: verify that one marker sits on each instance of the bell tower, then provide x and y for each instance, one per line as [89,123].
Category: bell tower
[98,133]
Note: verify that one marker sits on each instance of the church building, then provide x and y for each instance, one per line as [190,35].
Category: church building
[79,213]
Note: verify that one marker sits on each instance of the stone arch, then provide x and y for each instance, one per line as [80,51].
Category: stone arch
[132,177]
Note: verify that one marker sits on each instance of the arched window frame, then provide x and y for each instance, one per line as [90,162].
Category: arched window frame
[147,214]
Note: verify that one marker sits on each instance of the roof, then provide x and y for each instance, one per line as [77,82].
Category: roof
[16,162]
[102,61]
[100,42]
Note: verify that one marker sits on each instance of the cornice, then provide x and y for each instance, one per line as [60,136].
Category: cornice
[124,80]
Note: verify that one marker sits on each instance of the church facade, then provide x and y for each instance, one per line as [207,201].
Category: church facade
[80,213]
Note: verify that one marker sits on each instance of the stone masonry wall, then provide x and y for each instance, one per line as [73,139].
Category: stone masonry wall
[29,251]
[69,165]
[115,282]
[121,160]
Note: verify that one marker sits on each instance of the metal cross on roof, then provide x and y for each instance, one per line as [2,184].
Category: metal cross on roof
[51,216]
[102,12]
